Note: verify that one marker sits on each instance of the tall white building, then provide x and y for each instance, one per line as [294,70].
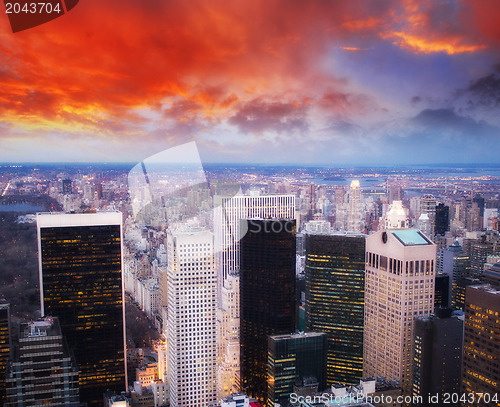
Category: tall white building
[191,329]
[354,219]
[228,213]
[399,286]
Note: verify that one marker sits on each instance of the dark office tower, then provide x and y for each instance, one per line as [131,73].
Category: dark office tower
[438,355]
[66,187]
[98,190]
[442,291]
[456,264]
[442,219]
[481,357]
[43,370]
[335,277]
[292,358]
[5,345]
[81,283]
[267,296]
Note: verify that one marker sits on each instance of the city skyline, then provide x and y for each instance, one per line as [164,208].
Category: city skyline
[331,84]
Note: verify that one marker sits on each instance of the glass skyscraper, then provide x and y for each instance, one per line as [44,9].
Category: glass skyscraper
[295,357]
[5,345]
[267,295]
[80,259]
[335,276]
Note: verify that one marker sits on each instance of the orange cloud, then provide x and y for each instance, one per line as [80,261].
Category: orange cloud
[419,44]
[353,49]
[359,25]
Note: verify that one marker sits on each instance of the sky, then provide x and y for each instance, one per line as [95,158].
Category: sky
[264,81]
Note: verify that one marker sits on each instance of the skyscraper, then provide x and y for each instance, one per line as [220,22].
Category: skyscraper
[456,264]
[80,260]
[5,344]
[354,219]
[191,281]
[442,219]
[428,207]
[335,279]
[229,212]
[438,355]
[43,370]
[295,357]
[399,286]
[66,186]
[267,296]
[442,290]
[481,357]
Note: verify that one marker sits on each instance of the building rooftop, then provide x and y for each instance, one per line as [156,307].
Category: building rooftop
[411,237]
[297,335]
[486,288]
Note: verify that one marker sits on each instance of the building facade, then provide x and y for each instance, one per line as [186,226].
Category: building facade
[80,261]
[5,344]
[335,280]
[294,357]
[43,370]
[481,355]
[438,356]
[191,331]
[267,296]
[399,286]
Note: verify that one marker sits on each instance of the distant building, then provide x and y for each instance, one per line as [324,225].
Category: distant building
[67,187]
[43,370]
[481,357]
[316,226]
[442,221]
[396,217]
[396,193]
[295,357]
[428,207]
[267,296]
[480,250]
[98,190]
[399,286]
[438,356]
[355,216]
[456,264]
[335,281]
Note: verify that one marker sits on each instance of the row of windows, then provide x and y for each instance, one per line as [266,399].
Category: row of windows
[399,267]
